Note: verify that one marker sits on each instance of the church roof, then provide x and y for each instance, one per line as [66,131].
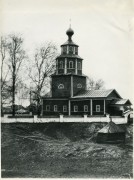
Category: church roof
[111,127]
[69,55]
[95,93]
[68,42]
[121,102]
[47,95]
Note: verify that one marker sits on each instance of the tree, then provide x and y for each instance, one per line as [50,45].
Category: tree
[43,66]
[5,89]
[16,57]
[94,84]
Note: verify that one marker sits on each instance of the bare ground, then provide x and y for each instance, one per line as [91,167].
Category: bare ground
[66,150]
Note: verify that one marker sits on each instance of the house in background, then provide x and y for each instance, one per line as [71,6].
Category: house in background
[69,96]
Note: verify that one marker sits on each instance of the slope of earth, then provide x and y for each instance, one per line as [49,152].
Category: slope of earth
[66,150]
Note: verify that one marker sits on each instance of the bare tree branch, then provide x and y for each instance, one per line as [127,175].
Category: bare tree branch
[44,66]
[93,84]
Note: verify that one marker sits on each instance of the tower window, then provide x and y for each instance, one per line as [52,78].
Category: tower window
[97,108]
[47,107]
[64,49]
[79,66]
[71,49]
[61,65]
[85,108]
[55,108]
[75,108]
[71,64]
[61,86]
[64,108]
[76,50]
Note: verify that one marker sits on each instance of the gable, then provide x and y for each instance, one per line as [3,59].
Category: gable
[114,94]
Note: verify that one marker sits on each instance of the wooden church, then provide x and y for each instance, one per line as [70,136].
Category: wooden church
[69,96]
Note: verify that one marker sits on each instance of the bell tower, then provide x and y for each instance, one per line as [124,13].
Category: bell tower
[68,79]
[69,61]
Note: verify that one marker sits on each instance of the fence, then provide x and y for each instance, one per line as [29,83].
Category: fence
[61,118]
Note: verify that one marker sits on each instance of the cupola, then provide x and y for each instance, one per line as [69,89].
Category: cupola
[70,33]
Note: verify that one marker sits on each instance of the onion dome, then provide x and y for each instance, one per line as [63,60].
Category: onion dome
[69,32]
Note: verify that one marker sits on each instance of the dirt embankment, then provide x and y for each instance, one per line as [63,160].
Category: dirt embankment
[63,150]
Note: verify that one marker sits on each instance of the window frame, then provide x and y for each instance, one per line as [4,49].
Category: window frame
[75,108]
[61,86]
[76,50]
[85,108]
[47,107]
[64,108]
[72,66]
[79,86]
[64,49]
[97,108]
[71,49]
[55,109]
[79,66]
[61,65]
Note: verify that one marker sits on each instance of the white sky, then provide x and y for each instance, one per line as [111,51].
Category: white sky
[103,30]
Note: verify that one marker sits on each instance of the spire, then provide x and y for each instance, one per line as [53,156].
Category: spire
[70,32]
[70,22]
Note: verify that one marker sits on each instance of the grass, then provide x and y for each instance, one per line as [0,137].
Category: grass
[62,150]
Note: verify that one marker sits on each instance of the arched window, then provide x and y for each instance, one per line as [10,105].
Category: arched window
[79,86]
[71,49]
[61,65]
[71,64]
[61,86]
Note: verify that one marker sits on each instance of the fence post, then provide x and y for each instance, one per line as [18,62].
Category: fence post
[3,119]
[85,117]
[61,117]
[126,118]
[35,119]
[108,117]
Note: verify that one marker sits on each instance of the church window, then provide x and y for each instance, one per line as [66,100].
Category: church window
[79,86]
[97,108]
[85,108]
[75,108]
[55,108]
[64,49]
[47,107]
[79,66]
[76,50]
[61,65]
[71,64]
[61,86]
[64,108]
[71,49]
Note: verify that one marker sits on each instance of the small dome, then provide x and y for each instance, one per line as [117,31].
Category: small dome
[70,32]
